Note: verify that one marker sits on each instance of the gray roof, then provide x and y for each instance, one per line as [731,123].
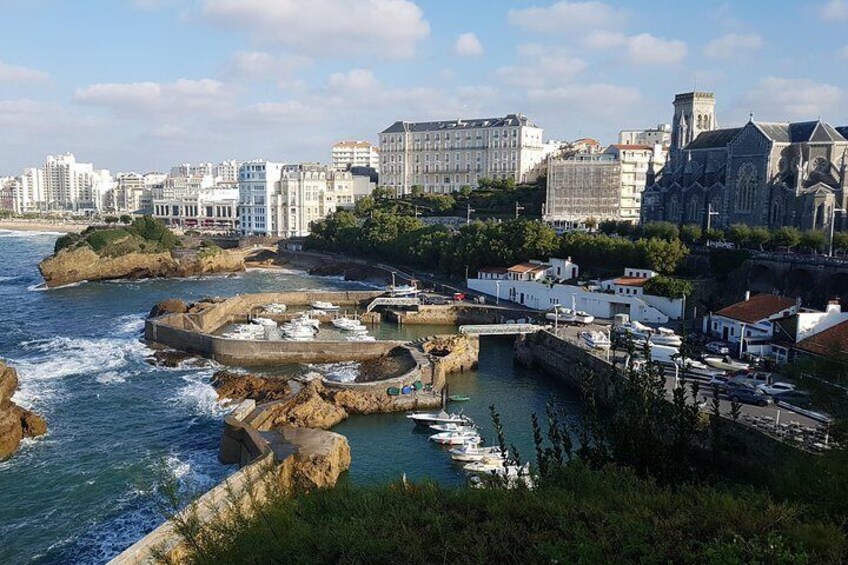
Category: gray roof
[714,139]
[800,132]
[508,120]
[843,130]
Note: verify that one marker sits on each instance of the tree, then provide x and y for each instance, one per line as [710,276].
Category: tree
[813,240]
[126,219]
[381,192]
[417,191]
[840,241]
[691,233]
[786,236]
[465,190]
[668,287]
[714,234]
[661,255]
[759,237]
[591,223]
[110,220]
[739,234]
[364,206]
[660,230]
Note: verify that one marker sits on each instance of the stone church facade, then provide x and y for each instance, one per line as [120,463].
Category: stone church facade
[760,174]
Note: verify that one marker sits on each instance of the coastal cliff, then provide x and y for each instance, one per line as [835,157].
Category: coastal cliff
[16,423]
[70,266]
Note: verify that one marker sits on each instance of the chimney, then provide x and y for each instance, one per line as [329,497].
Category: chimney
[833,305]
[747,295]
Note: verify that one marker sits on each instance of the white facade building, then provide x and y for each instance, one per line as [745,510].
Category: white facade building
[533,288]
[63,184]
[444,156]
[211,209]
[311,192]
[636,162]
[752,320]
[29,196]
[348,154]
[659,135]
[226,171]
[182,187]
[258,185]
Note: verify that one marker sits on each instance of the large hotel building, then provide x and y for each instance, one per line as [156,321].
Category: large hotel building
[444,156]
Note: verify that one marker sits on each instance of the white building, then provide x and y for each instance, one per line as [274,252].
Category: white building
[636,161]
[444,156]
[8,188]
[811,332]
[259,199]
[226,171]
[29,196]
[63,184]
[659,135]
[175,188]
[128,193]
[311,192]
[211,209]
[631,284]
[348,154]
[752,320]
[531,286]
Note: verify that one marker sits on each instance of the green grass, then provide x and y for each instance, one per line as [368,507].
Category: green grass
[578,516]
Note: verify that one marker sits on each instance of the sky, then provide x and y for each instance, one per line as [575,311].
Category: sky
[140,85]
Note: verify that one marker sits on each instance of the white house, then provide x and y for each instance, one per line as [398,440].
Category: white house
[563,269]
[631,284]
[752,320]
[531,285]
[809,331]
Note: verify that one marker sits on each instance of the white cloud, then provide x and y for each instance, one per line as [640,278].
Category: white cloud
[777,98]
[834,10]
[604,102]
[645,49]
[356,79]
[16,74]
[178,96]
[564,15]
[262,65]
[540,65]
[732,45]
[344,28]
[468,45]
[602,39]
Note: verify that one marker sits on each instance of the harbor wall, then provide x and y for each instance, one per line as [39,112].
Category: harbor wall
[455,314]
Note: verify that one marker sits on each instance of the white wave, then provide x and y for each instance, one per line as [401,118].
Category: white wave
[8,279]
[41,287]
[200,396]
[28,233]
[48,361]
[112,377]
[131,323]
[345,372]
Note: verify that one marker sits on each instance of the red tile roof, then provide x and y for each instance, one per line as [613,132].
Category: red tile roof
[492,270]
[830,342]
[632,147]
[528,268]
[630,281]
[759,307]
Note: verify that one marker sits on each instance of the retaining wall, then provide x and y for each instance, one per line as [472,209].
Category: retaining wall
[455,314]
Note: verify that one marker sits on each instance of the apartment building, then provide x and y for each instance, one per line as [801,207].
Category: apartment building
[176,187]
[443,156]
[258,188]
[659,135]
[310,192]
[63,184]
[347,154]
[582,186]
[210,209]
[636,162]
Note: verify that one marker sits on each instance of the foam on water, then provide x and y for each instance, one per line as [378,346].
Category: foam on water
[131,324]
[345,372]
[41,287]
[26,233]
[199,396]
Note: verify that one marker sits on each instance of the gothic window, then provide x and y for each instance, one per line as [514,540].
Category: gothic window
[746,187]
[776,217]
[693,210]
[700,120]
[672,208]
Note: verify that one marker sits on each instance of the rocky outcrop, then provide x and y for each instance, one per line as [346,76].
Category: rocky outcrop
[308,408]
[320,458]
[16,423]
[168,306]
[83,264]
[241,386]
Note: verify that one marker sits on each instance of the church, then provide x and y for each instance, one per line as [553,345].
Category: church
[760,174]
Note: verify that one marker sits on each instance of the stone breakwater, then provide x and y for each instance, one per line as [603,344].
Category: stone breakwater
[71,266]
[16,423]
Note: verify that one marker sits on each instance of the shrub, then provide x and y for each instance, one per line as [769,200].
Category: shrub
[100,240]
[66,242]
[668,287]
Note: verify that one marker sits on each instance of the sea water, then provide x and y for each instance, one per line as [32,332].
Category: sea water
[119,427]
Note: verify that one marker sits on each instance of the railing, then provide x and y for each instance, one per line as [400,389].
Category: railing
[500,329]
[385,301]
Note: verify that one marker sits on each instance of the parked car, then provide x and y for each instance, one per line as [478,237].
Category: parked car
[719,381]
[752,377]
[436,300]
[797,398]
[718,347]
[776,388]
[746,394]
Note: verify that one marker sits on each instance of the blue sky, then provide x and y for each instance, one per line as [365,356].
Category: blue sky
[143,84]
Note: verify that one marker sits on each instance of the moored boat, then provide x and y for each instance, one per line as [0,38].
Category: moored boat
[451,427]
[562,315]
[665,336]
[440,417]
[596,339]
[455,438]
[473,452]
[324,306]
[459,398]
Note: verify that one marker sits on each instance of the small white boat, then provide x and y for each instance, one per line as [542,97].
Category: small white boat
[582,317]
[562,315]
[306,320]
[402,290]
[324,306]
[665,336]
[299,333]
[347,324]
[472,452]
[512,474]
[455,438]
[490,464]
[264,321]
[440,417]
[596,340]
[451,427]
[725,363]
[275,308]
[360,337]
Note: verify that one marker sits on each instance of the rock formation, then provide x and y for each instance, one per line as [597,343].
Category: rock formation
[16,423]
[240,386]
[70,266]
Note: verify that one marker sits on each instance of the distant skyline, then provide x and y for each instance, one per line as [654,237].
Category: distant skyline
[145,84]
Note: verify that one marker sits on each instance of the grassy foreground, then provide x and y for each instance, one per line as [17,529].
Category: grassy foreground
[577,515]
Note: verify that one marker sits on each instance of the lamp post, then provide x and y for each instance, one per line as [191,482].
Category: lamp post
[468,211]
[497,293]
[518,208]
[556,318]
[833,212]
[710,214]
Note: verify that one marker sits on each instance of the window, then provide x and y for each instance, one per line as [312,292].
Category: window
[746,186]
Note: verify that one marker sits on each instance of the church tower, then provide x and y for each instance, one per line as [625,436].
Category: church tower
[694,112]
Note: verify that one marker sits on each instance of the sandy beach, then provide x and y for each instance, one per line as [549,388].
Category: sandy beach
[41,226]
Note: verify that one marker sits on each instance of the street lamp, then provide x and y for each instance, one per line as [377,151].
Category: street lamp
[556,318]
[518,208]
[832,222]
[468,211]
[497,293]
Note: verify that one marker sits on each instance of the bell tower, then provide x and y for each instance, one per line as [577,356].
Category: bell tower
[694,113]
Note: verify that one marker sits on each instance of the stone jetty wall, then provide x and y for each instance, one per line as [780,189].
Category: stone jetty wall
[455,314]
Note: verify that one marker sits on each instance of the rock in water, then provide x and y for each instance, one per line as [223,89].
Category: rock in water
[168,306]
[16,423]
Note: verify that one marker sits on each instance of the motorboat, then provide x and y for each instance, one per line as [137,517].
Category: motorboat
[473,452]
[306,320]
[452,427]
[245,332]
[665,336]
[512,475]
[299,332]
[324,306]
[724,363]
[398,291]
[582,317]
[275,308]
[596,339]
[441,417]
[455,438]
[264,322]
[562,315]
[489,464]
[347,324]
[637,332]
[360,337]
